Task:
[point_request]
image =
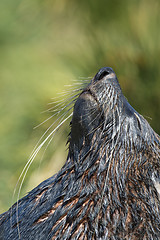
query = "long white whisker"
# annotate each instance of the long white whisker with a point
(65, 94)
(41, 145)
(51, 138)
(34, 150)
(31, 160)
(65, 106)
(45, 120)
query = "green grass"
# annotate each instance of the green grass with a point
(46, 44)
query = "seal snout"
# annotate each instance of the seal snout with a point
(103, 72)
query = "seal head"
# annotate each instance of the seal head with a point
(107, 187)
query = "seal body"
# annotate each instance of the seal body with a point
(107, 188)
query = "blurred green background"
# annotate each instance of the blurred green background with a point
(46, 44)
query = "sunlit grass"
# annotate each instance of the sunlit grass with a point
(46, 44)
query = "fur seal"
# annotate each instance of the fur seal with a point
(107, 187)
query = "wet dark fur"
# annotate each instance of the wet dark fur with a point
(105, 190)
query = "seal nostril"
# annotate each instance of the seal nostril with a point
(103, 72)
(102, 75)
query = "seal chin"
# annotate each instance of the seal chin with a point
(89, 95)
(86, 117)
